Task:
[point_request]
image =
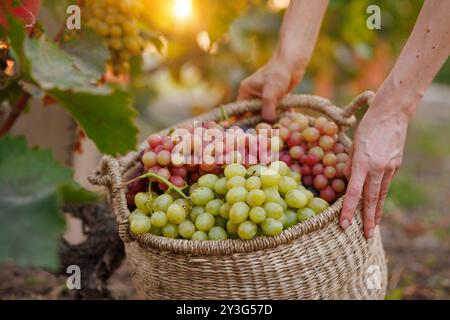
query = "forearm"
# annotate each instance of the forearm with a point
(299, 31)
(425, 52)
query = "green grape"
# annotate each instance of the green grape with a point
(182, 202)
(283, 204)
(220, 186)
(170, 231)
(253, 183)
(155, 230)
(281, 167)
(233, 170)
(271, 227)
(308, 194)
(236, 195)
(140, 224)
(295, 199)
(273, 210)
(202, 196)
(205, 221)
(220, 222)
(301, 187)
(296, 176)
(257, 215)
(217, 233)
(162, 202)
(158, 219)
(272, 195)
(247, 230)
(142, 201)
(318, 204)
(232, 227)
(195, 212)
(291, 218)
(282, 219)
(236, 181)
(270, 178)
(135, 213)
(225, 210)
(193, 187)
(287, 184)
(255, 170)
(305, 213)
(213, 206)
(199, 235)
(256, 198)
(239, 212)
(208, 180)
(186, 229)
(176, 213)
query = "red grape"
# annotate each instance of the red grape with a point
(328, 194)
(149, 158)
(301, 120)
(295, 127)
(285, 121)
(308, 180)
(306, 170)
(179, 171)
(339, 148)
(154, 140)
(326, 143)
(329, 159)
(311, 134)
(207, 167)
(319, 122)
(284, 133)
(177, 181)
(338, 185)
(320, 182)
(317, 169)
(295, 138)
(341, 157)
(158, 148)
(286, 158)
(168, 144)
(163, 186)
(191, 167)
(340, 170)
(311, 159)
(317, 151)
(297, 168)
(163, 157)
(330, 128)
(155, 169)
(329, 172)
(296, 152)
(164, 172)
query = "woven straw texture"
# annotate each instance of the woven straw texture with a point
(311, 260)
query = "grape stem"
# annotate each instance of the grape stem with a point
(162, 179)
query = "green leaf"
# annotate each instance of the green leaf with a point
(90, 54)
(73, 193)
(107, 119)
(16, 37)
(30, 198)
(52, 68)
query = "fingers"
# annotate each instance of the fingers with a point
(269, 103)
(371, 195)
(387, 178)
(352, 195)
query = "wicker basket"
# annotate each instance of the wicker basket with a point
(311, 260)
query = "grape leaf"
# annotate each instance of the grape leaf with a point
(52, 68)
(73, 193)
(30, 200)
(90, 54)
(106, 119)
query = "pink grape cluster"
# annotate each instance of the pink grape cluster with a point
(313, 150)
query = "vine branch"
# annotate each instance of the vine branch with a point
(15, 113)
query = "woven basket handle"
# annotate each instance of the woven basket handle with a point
(109, 175)
(344, 117)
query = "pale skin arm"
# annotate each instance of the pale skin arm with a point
(298, 35)
(380, 137)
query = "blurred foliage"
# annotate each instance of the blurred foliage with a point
(406, 192)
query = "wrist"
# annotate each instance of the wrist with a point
(290, 56)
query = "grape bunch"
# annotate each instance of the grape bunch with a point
(118, 22)
(239, 203)
(313, 150)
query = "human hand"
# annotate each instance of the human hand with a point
(270, 83)
(375, 157)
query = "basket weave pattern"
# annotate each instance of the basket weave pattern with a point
(311, 260)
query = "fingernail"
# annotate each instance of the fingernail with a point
(370, 234)
(344, 224)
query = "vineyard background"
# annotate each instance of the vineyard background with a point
(193, 65)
